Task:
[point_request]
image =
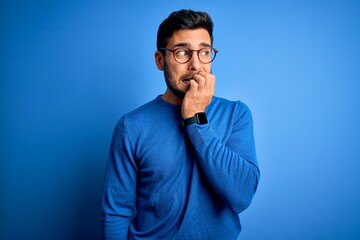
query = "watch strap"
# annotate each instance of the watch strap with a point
(199, 118)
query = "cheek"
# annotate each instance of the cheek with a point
(177, 72)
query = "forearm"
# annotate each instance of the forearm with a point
(231, 172)
(116, 213)
(119, 187)
(115, 229)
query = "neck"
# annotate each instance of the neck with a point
(171, 98)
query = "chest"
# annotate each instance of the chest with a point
(162, 153)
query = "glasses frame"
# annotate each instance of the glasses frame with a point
(192, 51)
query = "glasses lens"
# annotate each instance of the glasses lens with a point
(182, 55)
(206, 55)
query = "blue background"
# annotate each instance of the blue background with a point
(70, 69)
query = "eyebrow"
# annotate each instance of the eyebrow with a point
(184, 44)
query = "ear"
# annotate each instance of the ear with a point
(159, 60)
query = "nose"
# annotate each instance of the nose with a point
(194, 63)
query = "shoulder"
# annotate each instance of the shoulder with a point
(237, 107)
(148, 116)
(135, 116)
(141, 113)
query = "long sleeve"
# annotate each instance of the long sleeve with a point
(162, 179)
(230, 167)
(120, 186)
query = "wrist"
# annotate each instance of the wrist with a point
(191, 113)
(198, 118)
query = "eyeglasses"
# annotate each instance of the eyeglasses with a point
(183, 55)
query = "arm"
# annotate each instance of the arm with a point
(120, 186)
(231, 167)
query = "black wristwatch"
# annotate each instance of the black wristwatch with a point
(199, 118)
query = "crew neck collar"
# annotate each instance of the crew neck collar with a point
(167, 104)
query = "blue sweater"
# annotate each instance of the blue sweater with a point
(164, 181)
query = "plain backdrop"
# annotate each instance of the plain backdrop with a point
(70, 69)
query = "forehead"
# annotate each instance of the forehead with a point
(190, 37)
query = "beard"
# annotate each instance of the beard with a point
(171, 83)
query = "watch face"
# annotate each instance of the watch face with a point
(202, 119)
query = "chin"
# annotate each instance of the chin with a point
(179, 93)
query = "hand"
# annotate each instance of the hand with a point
(199, 95)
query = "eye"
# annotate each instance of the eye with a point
(205, 52)
(182, 53)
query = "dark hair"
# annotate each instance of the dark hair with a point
(183, 19)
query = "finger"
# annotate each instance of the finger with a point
(201, 80)
(210, 85)
(193, 86)
(210, 81)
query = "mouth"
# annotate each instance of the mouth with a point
(186, 80)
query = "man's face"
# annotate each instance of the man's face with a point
(177, 75)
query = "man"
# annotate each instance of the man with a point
(182, 166)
